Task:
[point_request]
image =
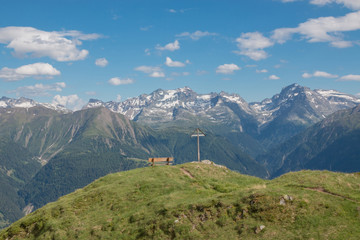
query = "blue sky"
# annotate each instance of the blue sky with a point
(69, 51)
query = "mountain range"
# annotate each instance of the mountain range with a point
(47, 151)
(270, 121)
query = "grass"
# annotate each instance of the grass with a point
(199, 201)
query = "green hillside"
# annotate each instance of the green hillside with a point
(332, 144)
(17, 166)
(200, 201)
(77, 148)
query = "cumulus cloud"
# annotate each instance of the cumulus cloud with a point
(118, 81)
(155, 72)
(352, 4)
(252, 44)
(101, 62)
(323, 29)
(39, 90)
(170, 63)
(72, 101)
(227, 68)
(274, 77)
(350, 77)
(37, 70)
(61, 46)
(196, 35)
(319, 74)
(261, 71)
(170, 46)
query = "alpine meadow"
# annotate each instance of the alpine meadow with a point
(180, 119)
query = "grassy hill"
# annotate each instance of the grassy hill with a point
(77, 148)
(200, 201)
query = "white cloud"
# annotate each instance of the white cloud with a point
(341, 44)
(72, 101)
(251, 44)
(307, 75)
(324, 74)
(196, 35)
(37, 70)
(350, 77)
(177, 11)
(227, 68)
(101, 62)
(323, 29)
(38, 90)
(170, 46)
(274, 77)
(170, 63)
(61, 46)
(148, 69)
(352, 4)
(147, 28)
(118, 98)
(251, 66)
(147, 52)
(157, 74)
(117, 81)
(319, 74)
(261, 71)
(154, 72)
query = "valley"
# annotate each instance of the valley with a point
(48, 151)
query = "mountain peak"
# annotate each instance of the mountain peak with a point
(23, 102)
(185, 89)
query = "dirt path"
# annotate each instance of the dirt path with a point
(187, 173)
(322, 190)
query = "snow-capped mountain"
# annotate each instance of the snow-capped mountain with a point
(29, 103)
(310, 105)
(272, 120)
(285, 114)
(163, 106)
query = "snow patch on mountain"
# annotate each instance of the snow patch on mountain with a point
(168, 105)
(29, 103)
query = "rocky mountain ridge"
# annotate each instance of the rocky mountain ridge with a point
(170, 105)
(29, 103)
(270, 121)
(166, 102)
